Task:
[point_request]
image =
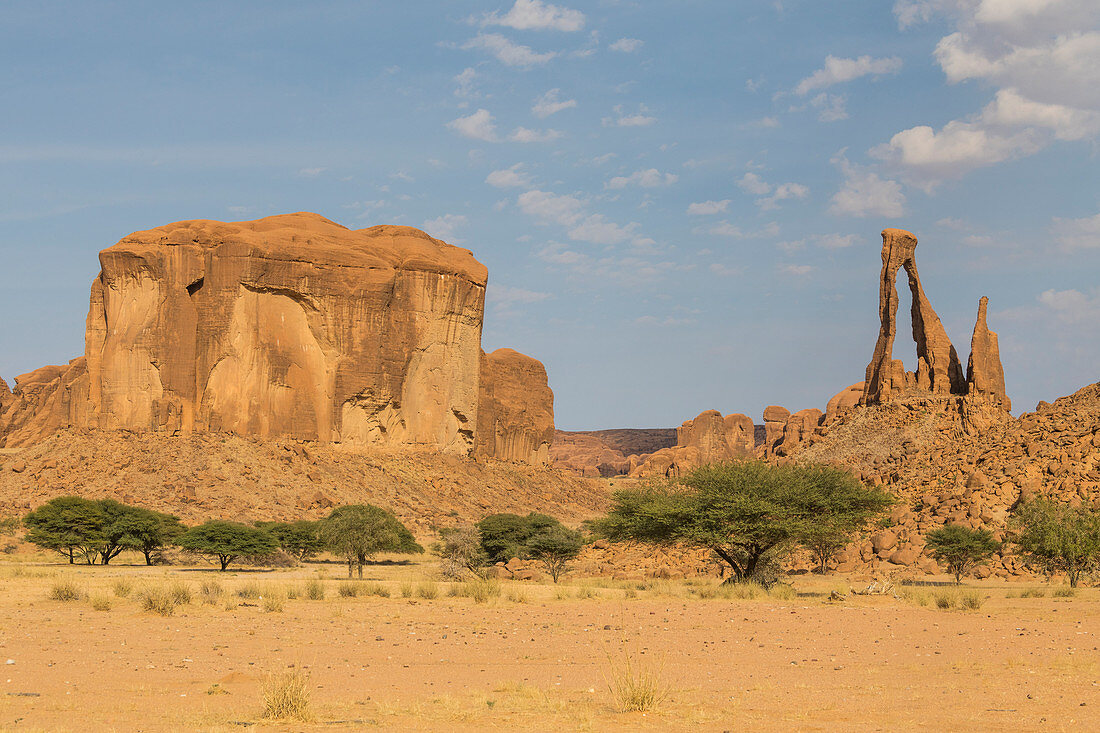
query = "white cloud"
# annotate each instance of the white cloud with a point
(443, 227)
(535, 15)
(525, 135)
(754, 184)
(311, 172)
(1077, 233)
(707, 208)
(726, 229)
(626, 45)
(622, 119)
(1072, 306)
(478, 126)
(796, 270)
(507, 52)
(835, 241)
(840, 70)
(831, 107)
(550, 208)
(1043, 59)
(782, 192)
(724, 270)
(651, 178)
(514, 176)
(866, 194)
(596, 229)
(506, 300)
(551, 103)
(465, 84)
(666, 321)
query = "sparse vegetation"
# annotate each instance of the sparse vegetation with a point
(65, 590)
(100, 602)
(961, 548)
(1059, 538)
(315, 589)
(211, 592)
(123, 587)
(227, 541)
(157, 600)
(286, 696)
(636, 686)
(460, 551)
(358, 532)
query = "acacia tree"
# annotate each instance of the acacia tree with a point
(748, 513)
(301, 538)
(504, 536)
(357, 532)
(459, 551)
(960, 548)
(227, 541)
(69, 525)
(1058, 537)
(151, 531)
(555, 548)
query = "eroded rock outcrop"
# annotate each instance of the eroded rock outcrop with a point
(938, 367)
(843, 402)
(286, 326)
(984, 373)
(708, 438)
(515, 412)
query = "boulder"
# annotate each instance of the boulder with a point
(515, 411)
(885, 540)
(842, 402)
(775, 413)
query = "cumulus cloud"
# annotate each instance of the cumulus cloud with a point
(528, 15)
(835, 241)
(1078, 233)
(507, 52)
(754, 184)
(626, 45)
(551, 103)
(1043, 59)
(444, 227)
(651, 178)
(796, 270)
(596, 229)
(464, 82)
(732, 231)
(506, 300)
(478, 126)
(1072, 306)
(724, 270)
(708, 208)
(864, 193)
(623, 119)
(551, 208)
(525, 135)
(513, 177)
(581, 226)
(830, 107)
(840, 70)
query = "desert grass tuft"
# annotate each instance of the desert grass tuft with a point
(180, 592)
(586, 591)
(1064, 591)
(945, 599)
(210, 592)
(481, 590)
(66, 590)
(349, 589)
(428, 590)
(273, 601)
(292, 591)
(100, 602)
(123, 587)
(971, 600)
(408, 590)
(377, 589)
(286, 696)
(636, 686)
(315, 589)
(157, 600)
(250, 591)
(516, 594)
(1033, 593)
(782, 592)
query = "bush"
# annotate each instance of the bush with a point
(971, 600)
(123, 587)
(211, 592)
(100, 602)
(180, 592)
(459, 551)
(1065, 591)
(300, 539)
(945, 599)
(65, 590)
(428, 591)
(273, 601)
(1059, 537)
(555, 547)
(349, 589)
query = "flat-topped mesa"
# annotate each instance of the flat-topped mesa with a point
(515, 411)
(290, 325)
(938, 369)
(984, 373)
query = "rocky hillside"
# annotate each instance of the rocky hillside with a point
(227, 476)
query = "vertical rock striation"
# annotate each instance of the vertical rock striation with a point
(984, 373)
(515, 411)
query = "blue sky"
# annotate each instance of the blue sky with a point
(678, 202)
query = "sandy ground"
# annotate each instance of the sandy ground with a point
(541, 661)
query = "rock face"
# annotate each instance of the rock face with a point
(515, 411)
(607, 453)
(286, 326)
(984, 373)
(938, 367)
(843, 402)
(707, 438)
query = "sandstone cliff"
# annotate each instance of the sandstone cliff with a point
(607, 453)
(515, 412)
(286, 326)
(708, 438)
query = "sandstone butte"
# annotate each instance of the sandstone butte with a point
(291, 326)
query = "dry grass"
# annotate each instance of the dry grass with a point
(211, 592)
(1064, 591)
(1033, 593)
(946, 599)
(273, 601)
(349, 589)
(480, 590)
(286, 696)
(315, 589)
(100, 602)
(66, 590)
(157, 600)
(250, 591)
(636, 685)
(428, 590)
(180, 592)
(123, 587)
(971, 600)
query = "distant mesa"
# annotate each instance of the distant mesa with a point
(291, 326)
